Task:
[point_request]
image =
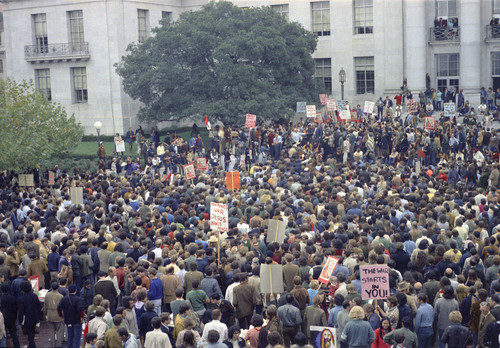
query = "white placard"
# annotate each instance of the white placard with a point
(219, 217)
(311, 110)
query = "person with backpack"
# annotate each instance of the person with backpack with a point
(456, 335)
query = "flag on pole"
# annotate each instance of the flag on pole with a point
(206, 120)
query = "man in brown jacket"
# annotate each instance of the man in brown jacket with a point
(290, 270)
(37, 266)
(170, 282)
(244, 300)
(192, 275)
(54, 321)
(485, 319)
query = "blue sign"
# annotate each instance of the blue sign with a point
(301, 107)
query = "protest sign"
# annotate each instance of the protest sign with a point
(412, 105)
(301, 107)
(323, 336)
(319, 117)
(219, 217)
(250, 121)
(76, 194)
(342, 105)
(35, 282)
(344, 115)
(368, 107)
(25, 180)
(328, 268)
(52, 176)
(374, 282)
(429, 122)
(449, 109)
(275, 231)
(233, 180)
(201, 163)
(355, 117)
(331, 105)
(271, 279)
(189, 171)
(323, 98)
(311, 110)
(120, 146)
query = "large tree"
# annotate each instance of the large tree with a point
(222, 61)
(31, 128)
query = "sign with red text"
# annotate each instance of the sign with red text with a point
(219, 217)
(189, 171)
(311, 110)
(412, 105)
(429, 123)
(374, 282)
(328, 268)
(201, 163)
(368, 109)
(331, 105)
(52, 176)
(323, 98)
(250, 121)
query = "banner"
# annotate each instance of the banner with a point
(250, 121)
(449, 109)
(368, 109)
(328, 268)
(233, 180)
(201, 163)
(52, 176)
(271, 279)
(76, 194)
(301, 107)
(323, 337)
(331, 105)
(412, 105)
(311, 110)
(429, 123)
(120, 146)
(275, 231)
(219, 217)
(189, 171)
(323, 98)
(374, 282)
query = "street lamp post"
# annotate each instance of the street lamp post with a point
(342, 81)
(98, 126)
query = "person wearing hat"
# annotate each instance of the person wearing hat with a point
(404, 287)
(72, 311)
(357, 332)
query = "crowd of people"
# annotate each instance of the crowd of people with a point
(138, 264)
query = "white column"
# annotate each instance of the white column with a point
(470, 50)
(415, 45)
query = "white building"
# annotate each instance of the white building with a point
(2, 47)
(69, 49)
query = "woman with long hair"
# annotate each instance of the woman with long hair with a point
(384, 329)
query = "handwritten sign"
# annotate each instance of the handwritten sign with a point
(328, 268)
(331, 105)
(201, 163)
(368, 109)
(301, 107)
(429, 123)
(323, 98)
(412, 105)
(219, 217)
(120, 146)
(374, 282)
(189, 171)
(311, 110)
(342, 105)
(344, 115)
(319, 117)
(52, 176)
(449, 109)
(354, 116)
(250, 121)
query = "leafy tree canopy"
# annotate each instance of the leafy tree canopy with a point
(31, 128)
(222, 61)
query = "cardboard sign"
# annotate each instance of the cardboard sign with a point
(120, 146)
(189, 171)
(354, 116)
(250, 121)
(76, 194)
(26, 180)
(219, 217)
(323, 98)
(275, 231)
(201, 163)
(271, 279)
(368, 109)
(328, 268)
(323, 337)
(311, 110)
(429, 123)
(233, 180)
(52, 177)
(301, 107)
(449, 109)
(412, 105)
(331, 105)
(344, 115)
(374, 282)
(342, 105)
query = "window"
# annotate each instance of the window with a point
(496, 7)
(446, 8)
(166, 15)
(365, 75)
(363, 16)
(1, 66)
(1, 38)
(40, 29)
(321, 18)
(79, 79)
(281, 9)
(324, 72)
(76, 37)
(447, 70)
(42, 83)
(142, 18)
(495, 63)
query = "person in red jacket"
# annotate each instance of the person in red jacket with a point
(384, 329)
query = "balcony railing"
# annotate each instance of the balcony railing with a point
(54, 52)
(444, 35)
(493, 32)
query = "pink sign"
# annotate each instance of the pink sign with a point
(250, 121)
(323, 98)
(374, 282)
(201, 163)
